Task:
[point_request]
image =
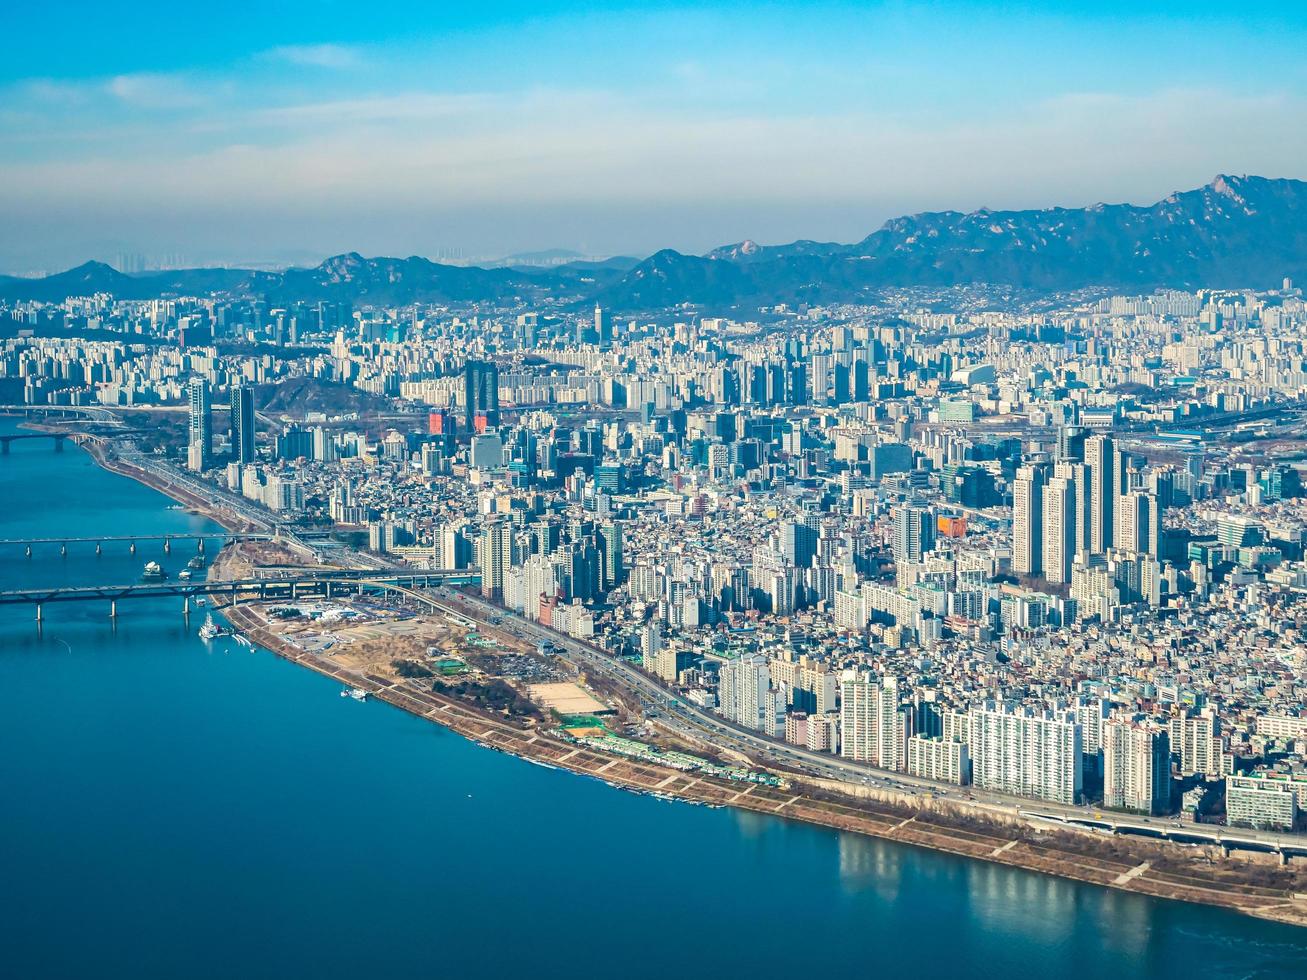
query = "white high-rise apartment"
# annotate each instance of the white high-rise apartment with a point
(1059, 531)
(873, 727)
(1136, 766)
(1025, 752)
(1028, 521)
(742, 693)
(859, 701)
(1100, 458)
(1199, 742)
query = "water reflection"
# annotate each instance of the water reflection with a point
(871, 864)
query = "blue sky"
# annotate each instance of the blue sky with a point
(290, 130)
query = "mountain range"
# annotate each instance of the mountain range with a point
(1235, 232)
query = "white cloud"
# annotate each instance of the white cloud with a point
(337, 56)
(443, 158)
(155, 90)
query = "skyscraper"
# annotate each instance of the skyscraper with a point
(1100, 457)
(496, 557)
(1133, 522)
(914, 533)
(798, 544)
(610, 537)
(242, 424)
(1059, 530)
(1028, 521)
(200, 444)
(481, 392)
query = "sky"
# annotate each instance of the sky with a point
(284, 131)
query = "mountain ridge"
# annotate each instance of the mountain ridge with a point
(1234, 232)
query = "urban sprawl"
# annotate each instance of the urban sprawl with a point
(1054, 555)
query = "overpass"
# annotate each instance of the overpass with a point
(320, 584)
(1166, 828)
(94, 413)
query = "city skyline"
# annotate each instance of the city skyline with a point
(280, 136)
(450, 451)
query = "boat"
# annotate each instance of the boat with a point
(357, 693)
(201, 601)
(211, 630)
(184, 574)
(153, 572)
(196, 563)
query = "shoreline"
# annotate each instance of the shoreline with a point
(1065, 853)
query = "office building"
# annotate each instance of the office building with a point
(242, 424)
(199, 448)
(481, 394)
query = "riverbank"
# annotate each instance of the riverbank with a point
(1165, 871)
(180, 494)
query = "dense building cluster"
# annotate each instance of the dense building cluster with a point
(1056, 555)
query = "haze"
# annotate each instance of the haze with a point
(290, 133)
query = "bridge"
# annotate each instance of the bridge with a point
(321, 584)
(133, 539)
(7, 440)
(95, 413)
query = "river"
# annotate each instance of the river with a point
(170, 808)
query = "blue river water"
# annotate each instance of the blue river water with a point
(175, 809)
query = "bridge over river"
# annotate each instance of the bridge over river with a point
(323, 584)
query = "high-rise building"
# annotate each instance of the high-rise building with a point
(893, 723)
(242, 424)
(744, 685)
(1028, 521)
(1026, 752)
(651, 644)
(481, 393)
(1199, 743)
(1100, 458)
(1136, 511)
(798, 544)
(1059, 530)
(938, 759)
(496, 557)
(610, 539)
(859, 702)
(200, 444)
(914, 533)
(874, 727)
(1136, 766)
